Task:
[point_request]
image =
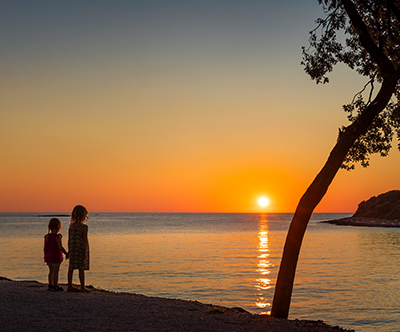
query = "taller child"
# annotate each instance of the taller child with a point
(78, 247)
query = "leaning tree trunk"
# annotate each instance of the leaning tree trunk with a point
(314, 194)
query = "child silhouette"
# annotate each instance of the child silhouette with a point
(78, 247)
(53, 251)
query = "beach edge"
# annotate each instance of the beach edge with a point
(28, 306)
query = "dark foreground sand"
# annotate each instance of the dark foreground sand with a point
(28, 306)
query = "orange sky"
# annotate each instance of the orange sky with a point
(141, 108)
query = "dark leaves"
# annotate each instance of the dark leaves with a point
(377, 139)
(335, 40)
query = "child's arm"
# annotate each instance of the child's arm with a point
(69, 238)
(85, 240)
(60, 247)
(69, 241)
(44, 248)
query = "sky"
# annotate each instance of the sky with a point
(170, 106)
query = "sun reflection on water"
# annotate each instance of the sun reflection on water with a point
(263, 283)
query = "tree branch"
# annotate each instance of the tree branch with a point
(396, 11)
(370, 82)
(366, 41)
(390, 6)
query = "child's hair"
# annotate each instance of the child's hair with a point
(54, 224)
(79, 214)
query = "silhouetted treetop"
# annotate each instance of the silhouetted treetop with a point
(365, 36)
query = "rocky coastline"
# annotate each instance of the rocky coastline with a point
(364, 222)
(378, 211)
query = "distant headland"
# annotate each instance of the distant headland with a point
(54, 215)
(378, 211)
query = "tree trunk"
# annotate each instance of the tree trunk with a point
(314, 194)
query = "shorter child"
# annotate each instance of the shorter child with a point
(53, 251)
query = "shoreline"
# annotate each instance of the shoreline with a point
(364, 222)
(28, 306)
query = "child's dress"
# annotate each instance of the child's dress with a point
(51, 252)
(75, 247)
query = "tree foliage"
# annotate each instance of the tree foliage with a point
(335, 40)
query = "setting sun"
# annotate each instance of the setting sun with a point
(263, 201)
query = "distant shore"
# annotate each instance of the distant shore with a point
(364, 222)
(28, 306)
(54, 215)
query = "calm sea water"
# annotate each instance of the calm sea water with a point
(347, 276)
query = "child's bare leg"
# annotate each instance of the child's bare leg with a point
(69, 276)
(82, 280)
(56, 270)
(71, 288)
(51, 273)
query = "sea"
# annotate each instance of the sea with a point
(347, 276)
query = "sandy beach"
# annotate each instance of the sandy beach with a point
(28, 306)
